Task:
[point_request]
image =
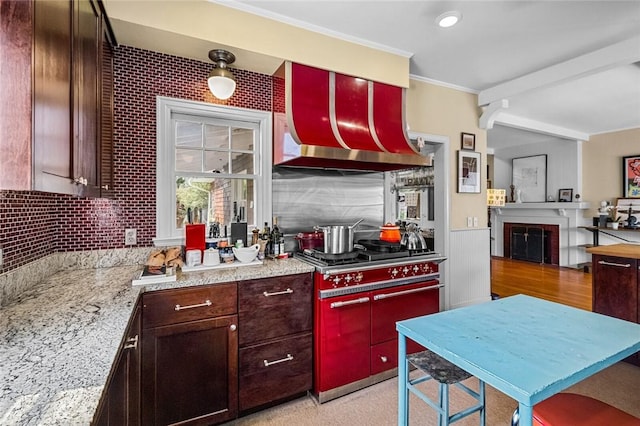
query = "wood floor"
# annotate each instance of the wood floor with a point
(563, 285)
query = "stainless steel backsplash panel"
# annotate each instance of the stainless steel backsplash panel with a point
(304, 198)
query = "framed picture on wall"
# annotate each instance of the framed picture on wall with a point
(468, 141)
(529, 176)
(631, 176)
(468, 172)
(565, 195)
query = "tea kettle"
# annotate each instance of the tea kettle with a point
(412, 238)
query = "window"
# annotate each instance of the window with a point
(213, 167)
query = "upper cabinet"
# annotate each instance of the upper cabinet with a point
(64, 103)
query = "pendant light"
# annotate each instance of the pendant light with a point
(221, 81)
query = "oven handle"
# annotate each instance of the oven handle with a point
(403, 292)
(349, 302)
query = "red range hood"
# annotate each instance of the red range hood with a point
(324, 119)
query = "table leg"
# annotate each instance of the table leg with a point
(526, 415)
(403, 378)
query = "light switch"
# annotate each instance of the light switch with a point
(475, 222)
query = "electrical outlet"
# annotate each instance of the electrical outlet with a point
(130, 237)
(475, 222)
(469, 221)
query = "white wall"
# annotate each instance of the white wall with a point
(563, 159)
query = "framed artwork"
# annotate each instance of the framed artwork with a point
(529, 176)
(631, 176)
(468, 141)
(468, 172)
(565, 195)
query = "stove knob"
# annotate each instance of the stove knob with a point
(336, 280)
(348, 278)
(416, 268)
(405, 270)
(393, 272)
(359, 276)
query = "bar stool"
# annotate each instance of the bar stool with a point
(446, 374)
(564, 409)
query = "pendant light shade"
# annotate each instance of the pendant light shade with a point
(221, 81)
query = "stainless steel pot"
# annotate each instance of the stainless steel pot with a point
(338, 239)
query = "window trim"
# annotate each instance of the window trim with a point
(165, 107)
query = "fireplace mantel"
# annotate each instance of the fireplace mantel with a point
(568, 216)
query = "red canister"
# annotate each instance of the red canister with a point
(390, 233)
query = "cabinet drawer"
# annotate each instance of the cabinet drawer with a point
(274, 307)
(276, 370)
(167, 307)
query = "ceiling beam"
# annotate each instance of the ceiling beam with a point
(622, 53)
(522, 123)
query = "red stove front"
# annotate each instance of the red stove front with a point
(356, 308)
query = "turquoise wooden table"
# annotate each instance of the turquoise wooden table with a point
(527, 348)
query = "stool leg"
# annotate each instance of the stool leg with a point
(444, 392)
(483, 411)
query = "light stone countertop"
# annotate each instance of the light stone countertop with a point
(58, 341)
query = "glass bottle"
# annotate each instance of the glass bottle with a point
(277, 239)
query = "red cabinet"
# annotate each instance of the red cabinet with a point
(356, 334)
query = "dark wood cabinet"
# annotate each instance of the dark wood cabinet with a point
(276, 343)
(190, 356)
(120, 403)
(86, 48)
(616, 282)
(54, 140)
(52, 96)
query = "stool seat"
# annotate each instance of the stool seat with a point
(446, 373)
(573, 409)
(438, 368)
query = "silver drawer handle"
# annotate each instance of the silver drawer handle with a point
(289, 357)
(625, 265)
(132, 343)
(277, 293)
(401, 293)
(199, 305)
(350, 302)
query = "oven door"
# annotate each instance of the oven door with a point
(394, 304)
(342, 340)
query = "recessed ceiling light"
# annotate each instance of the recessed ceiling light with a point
(448, 19)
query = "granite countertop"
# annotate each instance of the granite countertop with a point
(59, 340)
(619, 250)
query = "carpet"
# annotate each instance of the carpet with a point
(618, 385)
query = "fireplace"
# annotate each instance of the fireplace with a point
(533, 242)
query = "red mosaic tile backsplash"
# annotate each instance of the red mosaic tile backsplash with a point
(35, 224)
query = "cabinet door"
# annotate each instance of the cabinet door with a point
(121, 401)
(190, 372)
(106, 115)
(85, 95)
(615, 287)
(52, 97)
(274, 307)
(343, 343)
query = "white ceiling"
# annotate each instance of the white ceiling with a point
(565, 68)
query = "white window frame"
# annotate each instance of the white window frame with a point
(165, 160)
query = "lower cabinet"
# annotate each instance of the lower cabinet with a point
(276, 343)
(120, 404)
(190, 355)
(616, 290)
(202, 355)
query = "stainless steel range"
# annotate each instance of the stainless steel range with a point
(358, 299)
